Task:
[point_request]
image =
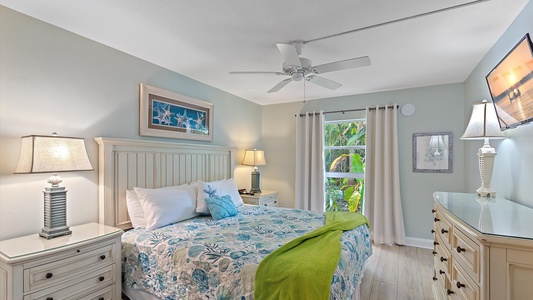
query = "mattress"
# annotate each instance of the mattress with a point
(205, 259)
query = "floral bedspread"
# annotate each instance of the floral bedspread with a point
(205, 259)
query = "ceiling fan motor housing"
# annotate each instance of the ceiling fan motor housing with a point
(299, 72)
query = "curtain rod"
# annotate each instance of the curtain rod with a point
(349, 110)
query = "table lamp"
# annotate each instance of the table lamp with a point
(53, 154)
(484, 125)
(254, 158)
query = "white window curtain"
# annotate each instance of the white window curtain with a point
(383, 205)
(309, 189)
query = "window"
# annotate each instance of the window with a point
(344, 156)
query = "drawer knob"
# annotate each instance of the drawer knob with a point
(460, 285)
(102, 257)
(49, 298)
(49, 275)
(432, 230)
(435, 278)
(101, 278)
(437, 219)
(435, 243)
(101, 298)
(433, 211)
(450, 292)
(434, 252)
(442, 259)
(443, 231)
(441, 272)
(459, 249)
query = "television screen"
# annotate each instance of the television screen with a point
(511, 85)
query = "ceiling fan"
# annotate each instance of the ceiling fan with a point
(301, 68)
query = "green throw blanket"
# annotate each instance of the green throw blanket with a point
(304, 267)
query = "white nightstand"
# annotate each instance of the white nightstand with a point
(83, 265)
(265, 198)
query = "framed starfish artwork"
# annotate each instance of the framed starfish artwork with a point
(171, 115)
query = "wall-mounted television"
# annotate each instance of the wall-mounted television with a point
(511, 85)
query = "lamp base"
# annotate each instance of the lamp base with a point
(55, 213)
(486, 192)
(486, 156)
(256, 187)
(49, 233)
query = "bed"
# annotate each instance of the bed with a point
(201, 257)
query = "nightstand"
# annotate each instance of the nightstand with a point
(265, 198)
(83, 265)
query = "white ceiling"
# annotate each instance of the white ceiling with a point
(206, 39)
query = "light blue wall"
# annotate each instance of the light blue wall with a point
(52, 80)
(513, 167)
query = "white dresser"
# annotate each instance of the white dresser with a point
(83, 265)
(483, 248)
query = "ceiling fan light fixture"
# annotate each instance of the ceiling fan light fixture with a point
(297, 76)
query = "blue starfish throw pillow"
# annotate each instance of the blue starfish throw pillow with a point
(221, 207)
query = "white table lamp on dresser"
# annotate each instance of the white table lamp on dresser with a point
(484, 125)
(53, 154)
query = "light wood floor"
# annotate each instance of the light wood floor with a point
(398, 272)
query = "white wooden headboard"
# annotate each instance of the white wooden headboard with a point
(124, 164)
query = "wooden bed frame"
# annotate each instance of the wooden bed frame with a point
(124, 164)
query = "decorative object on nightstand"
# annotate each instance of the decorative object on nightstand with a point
(53, 154)
(83, 265)
(484, 125)
(265, 198)
(254, 157)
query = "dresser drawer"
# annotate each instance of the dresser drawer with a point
(101, 294)
(270, 202)
(267, 198)
(92, 283)
(466, 253)
(443, 229)
(462, 286)
(443, 258)
(75, 263)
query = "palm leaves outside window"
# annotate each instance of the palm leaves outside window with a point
(344, 155)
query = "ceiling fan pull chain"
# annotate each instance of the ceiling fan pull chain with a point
(305, 79)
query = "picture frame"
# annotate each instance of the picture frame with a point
(433, 152)
(172, 115)
(510, 85)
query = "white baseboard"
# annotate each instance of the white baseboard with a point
(418, 242)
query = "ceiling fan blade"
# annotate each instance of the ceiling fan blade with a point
(289, 54)
(255, 72)
(343, 65)
(280, 85)
(323, 82)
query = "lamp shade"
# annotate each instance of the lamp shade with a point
(254, 158)
(51, 154)
(483, 123)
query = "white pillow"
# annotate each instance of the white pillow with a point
(135, 210)
(216, 189)
(167, 205)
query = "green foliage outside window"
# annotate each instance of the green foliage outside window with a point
(345, 154)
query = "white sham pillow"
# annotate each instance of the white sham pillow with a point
(216, 189)
(135, 210)
(167, 205)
